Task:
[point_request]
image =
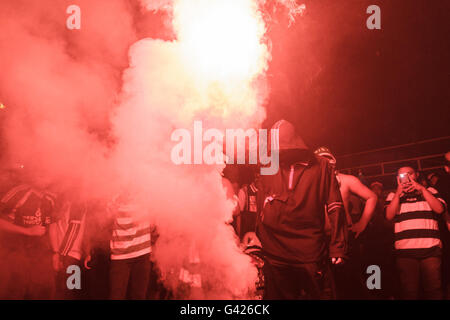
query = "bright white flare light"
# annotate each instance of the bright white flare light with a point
(222, 39)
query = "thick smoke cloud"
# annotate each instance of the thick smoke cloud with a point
(95, 108)
(59, 85)
(163, 91)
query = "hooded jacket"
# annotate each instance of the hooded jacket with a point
(291, 226)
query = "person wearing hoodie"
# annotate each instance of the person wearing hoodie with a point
(291, 225)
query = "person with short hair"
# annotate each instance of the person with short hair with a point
(418, 247)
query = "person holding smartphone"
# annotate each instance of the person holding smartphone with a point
(418, 247)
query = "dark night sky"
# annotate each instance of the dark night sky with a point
(355, 89)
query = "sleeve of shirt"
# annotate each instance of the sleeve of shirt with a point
(6, 212)
(9, 201)
(336, 214)
(77, 217)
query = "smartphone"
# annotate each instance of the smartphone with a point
(404, 178)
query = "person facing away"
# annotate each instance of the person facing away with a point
(418, 247)
(291, 224)
(351, 186)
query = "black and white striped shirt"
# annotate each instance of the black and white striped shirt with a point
(130, 238)
(416, 226)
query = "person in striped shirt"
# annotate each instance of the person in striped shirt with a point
(130, 251)
(418, 246)
(26, 211)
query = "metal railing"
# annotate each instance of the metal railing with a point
(416, 162)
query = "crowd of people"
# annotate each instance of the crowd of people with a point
(43, 234)
(312, 230)
(312, 254)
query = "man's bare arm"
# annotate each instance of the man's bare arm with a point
(11, 227)
(16, 229)
(360, 190)
(436, 205)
